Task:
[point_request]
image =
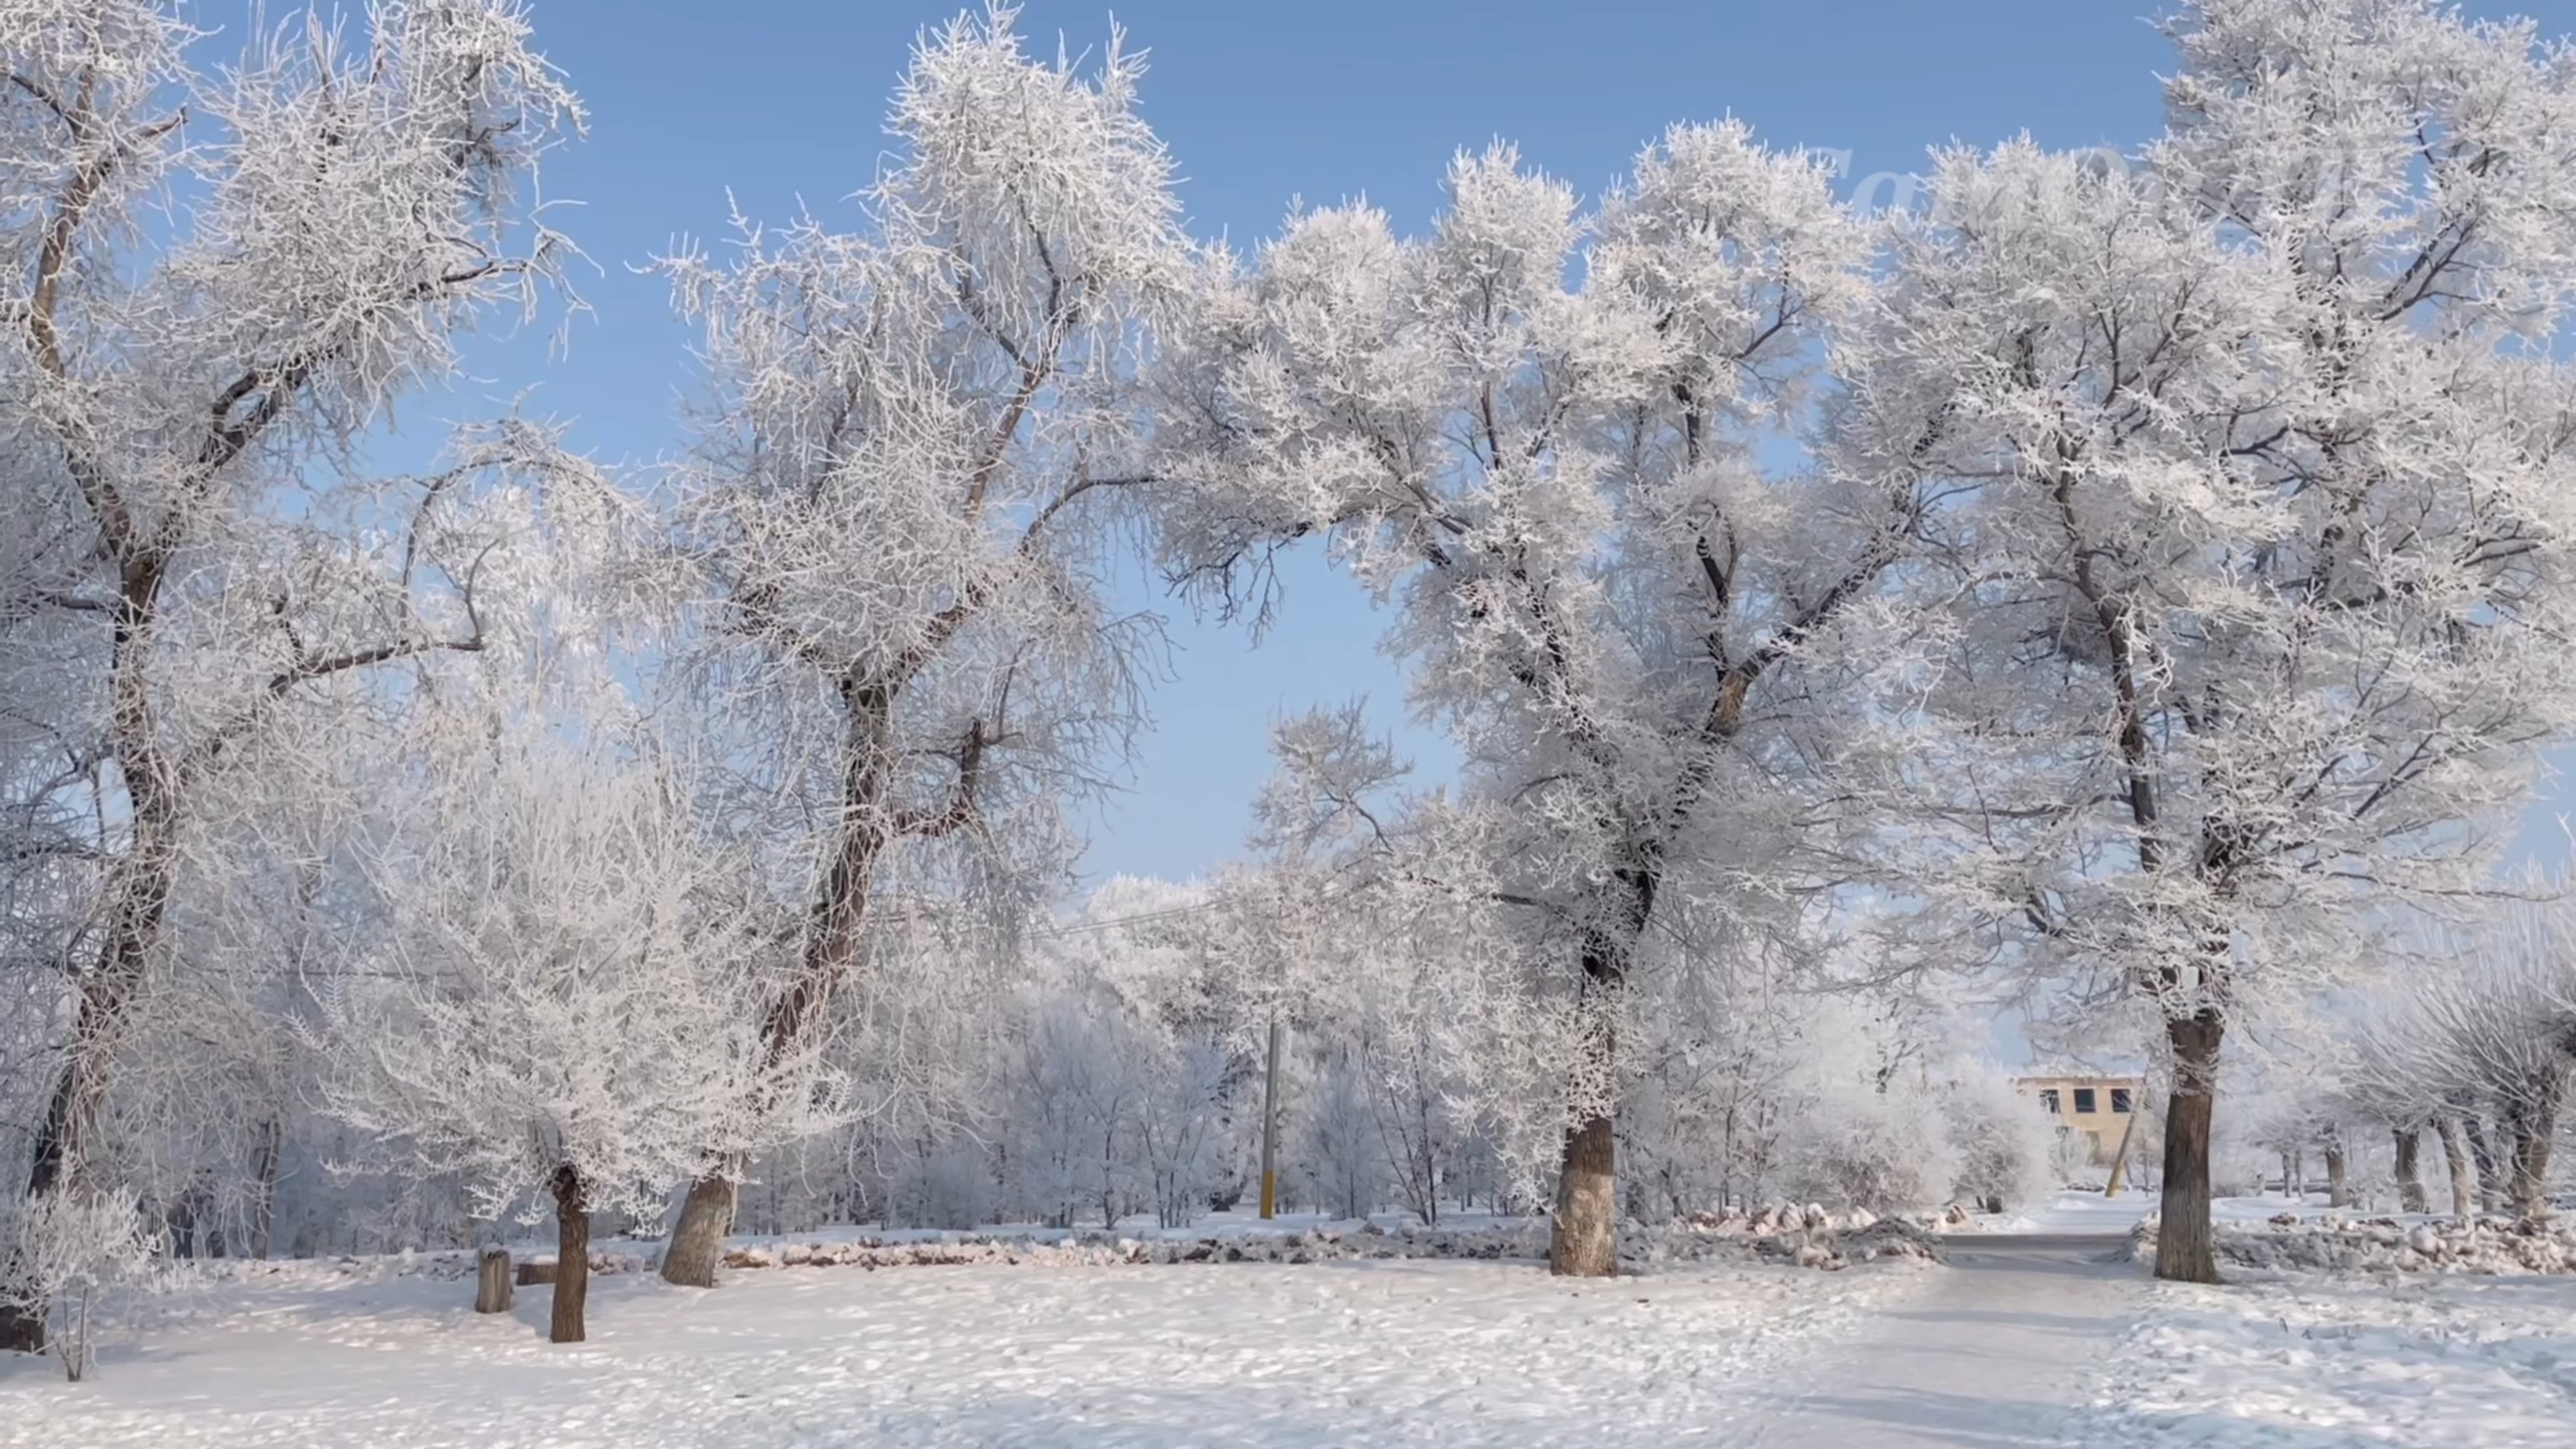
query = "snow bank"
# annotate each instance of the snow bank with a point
(2426, 1245)
(368, 1268)
(1805, 1237)
(1801, 1236)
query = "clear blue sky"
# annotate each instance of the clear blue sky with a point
(778, 100)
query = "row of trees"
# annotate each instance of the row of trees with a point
(1129, 1078)
(2165, 595)
(2138, 583)
(2479, 1058)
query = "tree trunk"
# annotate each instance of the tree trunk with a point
(2491, 1173)
(22, 1326)
(697, 1239)
(138, 886)
(2464, 1177)
(1583, 1237)
(1583, 1232)
(833, 926)
(2533, 1130)
(2410, 1178)
(2185, 1252)
(263, 1222)
(2338, 1176)
(572, 1256)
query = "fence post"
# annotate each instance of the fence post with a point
(492, 1280)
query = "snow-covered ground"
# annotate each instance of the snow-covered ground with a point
(2043, 1340)
(1421, 1353)
(2308, 1362)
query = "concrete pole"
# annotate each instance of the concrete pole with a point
(1270, 1127)
(2120, 1162)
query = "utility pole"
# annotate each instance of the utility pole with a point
(1270, 1126)
(2120, 1160)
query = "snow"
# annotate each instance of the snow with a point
(2309, 1362)
(1415, 1352)
(2024, 1339)
(2414, 1243)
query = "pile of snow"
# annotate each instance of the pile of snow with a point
(369, 1268)
(1808, 1237)
(2428, 1245)
(1094, 1249)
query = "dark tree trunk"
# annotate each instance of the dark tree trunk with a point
(1583, 1240)
(138, 884)
(2464, 1176)
(2533, 1129)
(832, 939)
(1583, 1232)
(2338, 1176)
(697, 1239)
(572, 1256)
(2185, 1252)
(263, 1207)
(2410, 1177)
(2491, 1174)
(22, 1326)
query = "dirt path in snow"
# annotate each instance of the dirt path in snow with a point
(1996, 1351)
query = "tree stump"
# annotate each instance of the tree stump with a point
(492, 1281)
(536, 1271)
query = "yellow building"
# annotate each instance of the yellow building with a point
(2097, 1107)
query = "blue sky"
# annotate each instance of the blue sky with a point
(782, 100)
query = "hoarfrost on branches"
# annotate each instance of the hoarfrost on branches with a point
(2256, 533)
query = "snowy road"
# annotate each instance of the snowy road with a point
(1998, 1351)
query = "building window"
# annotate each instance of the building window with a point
(2120, 1100)
(2048, 1100)
(2083, 1101)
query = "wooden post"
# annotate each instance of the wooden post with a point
(492, 1280)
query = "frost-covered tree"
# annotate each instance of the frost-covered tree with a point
(915, 453)
(1620, 613)
(2483, 1032)
(225, 269)
(66, 1250)
(2258, 513)
(561, 1005)
(1339, 1155)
